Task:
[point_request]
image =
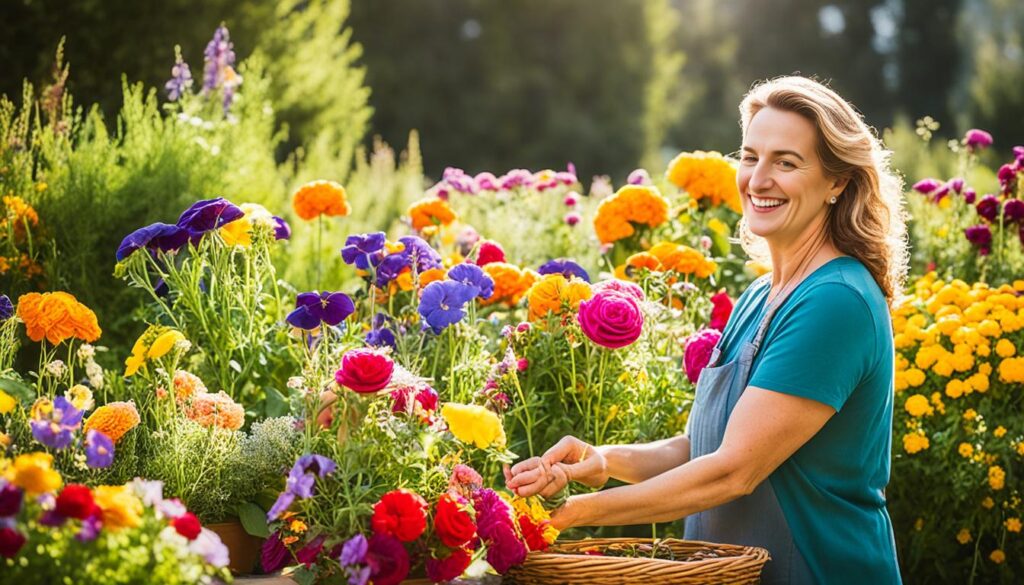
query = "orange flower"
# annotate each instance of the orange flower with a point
(430, 212)
(431, 275)
(632, 204)
(553, 292)
(683, 259)
(57, 316)
(113, 420)
(218, 409)
(644, 260)
(320, 198)
(187, 385)
(706, 176)
(510, 283)
(20, 214)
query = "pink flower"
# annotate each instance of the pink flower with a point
(572, 218)
(611, 319)
(522, 364)
(698, 352)
(977, 139)
(450, 567)
(490, 251)
(364, 370)
(722, 309)
(425, 398)
(571, 199)
(620, 286)
(926, 186)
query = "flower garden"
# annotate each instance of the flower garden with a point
(344, 369)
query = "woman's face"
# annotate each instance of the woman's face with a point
(783, 185)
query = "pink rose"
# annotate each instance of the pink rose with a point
(621, 286)
(698, 352)
(611, 319)
(364, 370)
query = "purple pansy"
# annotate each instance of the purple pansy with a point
(474, 276)
(353, 560)
(57, 428)
(208, 214)
(442, 302)
(99, 449)
(314, 308)
(565, 267)
(364, 250)
(282, 231)
(416, 253)
(6, 308)
(157, 236)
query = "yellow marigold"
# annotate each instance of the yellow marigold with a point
(239, 232)
(1013, 524)
(706, 176)
(121, 507)
(632, 204)
(20, 214)
(996, 477)
(643, 260)
(979, 382)
(1000, 432)
(970, 414)
(915, 377)
(915, 442)
(988, 503)
(320, 198)
(113, 419)
(57, 316)
(545, 296)
(187, 385)
(431, 211)
(997, 556)
(966, 450)
(955, 388)
(34, 473)
(1012, 370)
(215, 410)
(964, 536)
(474, 424)
(917, 405)
(1005, 348)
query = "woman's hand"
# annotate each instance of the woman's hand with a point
(569, 460)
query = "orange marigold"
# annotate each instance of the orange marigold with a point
(510, 283)
(320, 198)
(706, 176)
(113, 419)
(431, 275)
(632, 204)
(553, 292)
(20, 214)
(218, 409)
(57, 316)
(430, 212)
(683, 259)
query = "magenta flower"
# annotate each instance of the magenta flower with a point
(988, 207)
(699, 347)
(388, 560)
(274, 554)
(970, 195)
(572, 218)
(611, 319)
(926, 186)
(365, 370)
(10, 500)
(981, 237)
(639, 177)
(1013, 210)
(977, 139)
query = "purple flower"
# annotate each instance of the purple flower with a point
(970, 195)
(274, 554)
(981, 237)
(157, 236)
(486, 181)
(977, 139)
(380, 338)
(505, 549)
(926, 186)
(417, 253)
(1018, 155)
(208, 214)
(99, 449)
(516, 178)
(90, 528)
(57, 427)
(565, 267)
(181, 78)
(364, 250)
(459, 180)
(314, 308)
(282, 231)
(301, 480)
(442, 301)
(572, 218)
(10, 500)
(639, 177)
(956, 184)
(219, 55)
(1013, 210)
(353, 560)
(988, 207)
(209, 546)
(474, 276)
(6, 308)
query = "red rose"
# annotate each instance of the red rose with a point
(11, 542)
(450, 567)
(364, 370)
(453, 524)
(490, 252)
(388, 560)
(75, 501)
(400, 513)
(187, 525)
(721, 311)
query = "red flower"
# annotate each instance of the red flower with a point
(187, 525)
(450, 567)
(490, 251)
(721, 311)
(11, 542)
(533, 534)
(365, 370)
(453, 524)
(75, 501)
(400, 513)
(388, 560)
(307, 554)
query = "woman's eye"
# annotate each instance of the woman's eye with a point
(749, 159)
(786, 164)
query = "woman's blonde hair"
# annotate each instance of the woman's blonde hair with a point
(867, 221)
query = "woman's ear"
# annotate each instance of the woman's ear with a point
(838, 186)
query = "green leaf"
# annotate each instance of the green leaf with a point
(277, 404)
(18, 389)
(304, 576)
(253, 519)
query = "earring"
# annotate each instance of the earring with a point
(832, 200)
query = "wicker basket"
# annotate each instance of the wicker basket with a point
(700, 563)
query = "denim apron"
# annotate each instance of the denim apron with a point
(756, 519)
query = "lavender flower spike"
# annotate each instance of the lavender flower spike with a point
(181, 77)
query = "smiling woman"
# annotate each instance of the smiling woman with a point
(787, 444)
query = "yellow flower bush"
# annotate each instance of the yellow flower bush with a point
(473, 424)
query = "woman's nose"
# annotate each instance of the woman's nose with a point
(761, 177)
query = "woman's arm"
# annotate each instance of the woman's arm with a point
(764, 430)
(637, 463)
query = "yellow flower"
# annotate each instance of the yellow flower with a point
(999, 432)
(632, 204)
(997, 556)
(1005, 348)
(34, 473)
(955, 388)
(1013, 524)
(915, 377)
(80, 397)
(988, 503)
(964, 536)
(7, 402)
(919, 524)
(121, 507)
(132, 364)
(915, 442)
(966, 450)
(239, 232)
(1012, 370)
(970, 414)
(163, 344)
(718, 226)
(474, 424)
(917, 405)
(996, 477)
(706, 176)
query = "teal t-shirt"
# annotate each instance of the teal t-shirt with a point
(831, 341)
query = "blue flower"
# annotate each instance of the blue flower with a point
(419, 253)
(181, 78)
(6, 308)
(207, 215)
(314, 308)
(364, 250)
(380, 338)
(56, 428)
(157, 236)
(219, 54)
(565, 267)
(99, 449)
(474, 276)
(300, 482)
(282, 231)
(442, 302)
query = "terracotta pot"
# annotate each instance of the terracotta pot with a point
(243, 548)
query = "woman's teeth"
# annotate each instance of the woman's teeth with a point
(759, 202)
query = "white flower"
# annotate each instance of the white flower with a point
(296, 382)
(94, 372)
(86, 352)
(150, 491)
(183, 345)
(56, 368)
